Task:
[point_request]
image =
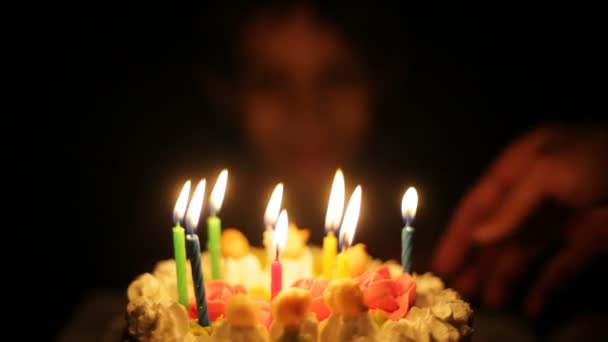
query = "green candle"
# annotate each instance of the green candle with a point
(214, 224)
(179, 246)
(214, 231)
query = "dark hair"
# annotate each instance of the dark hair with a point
(370, 29)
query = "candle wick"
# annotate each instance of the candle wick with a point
(343, 243)
(277, 254)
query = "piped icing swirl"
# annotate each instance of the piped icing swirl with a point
(350, 319)
(439, 315)
(153, 316)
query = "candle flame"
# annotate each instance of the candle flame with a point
(195, 207)
(274, 206)
(335, 207)
(279, 239)
(217, 194)
(351, 218)
(181, 203)
(409, 204)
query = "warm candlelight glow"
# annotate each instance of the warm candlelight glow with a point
(217, 194)
(335, 205)
(195, 207)
(181, 204)
(409, 203)
(351, 217)
(280, 232)
(274, 206)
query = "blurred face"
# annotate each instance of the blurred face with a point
(304, 95)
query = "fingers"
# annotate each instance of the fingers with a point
(471, 279)
(525, 198)
(484, 198)
(586, 237)
(518, 158)
(467, 283)
(454, 245)
(509, 266)
(561, 267)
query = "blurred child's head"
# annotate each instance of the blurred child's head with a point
(301, 89)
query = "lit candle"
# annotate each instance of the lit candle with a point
(347, 231)
(194, 251)
(179, 245)
(409, 203)
(214, 224)
(335, 207)
(270, 218)
(278, 244)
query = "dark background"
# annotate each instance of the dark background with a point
(132, 125)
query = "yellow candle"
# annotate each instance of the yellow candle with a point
(330, 249)
(347, 232)
(343, 267)
(333, 217)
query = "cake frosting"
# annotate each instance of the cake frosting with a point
(350, 319)
(153, 315)
(293, 320)
(439, 315)
(241, 322)
(378, 303)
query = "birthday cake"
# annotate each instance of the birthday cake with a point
(379, 302)
(289, 290)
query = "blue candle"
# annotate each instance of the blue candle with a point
(194, 251)
(407, 234)
(409, 204)
(194, 248)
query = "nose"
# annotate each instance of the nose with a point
(308, 104)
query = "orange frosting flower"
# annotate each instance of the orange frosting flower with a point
(394, 296)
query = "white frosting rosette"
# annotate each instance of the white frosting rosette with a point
(153, 316)
(349, 329)
(166, 273)
(427, 287)
(439, 315)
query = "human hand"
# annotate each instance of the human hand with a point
(565, 164)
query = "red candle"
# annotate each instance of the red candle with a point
(277, 278)
(278, 244)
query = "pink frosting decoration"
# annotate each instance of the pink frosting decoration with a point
(217, 293)
(394, 296)
(316, 288)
